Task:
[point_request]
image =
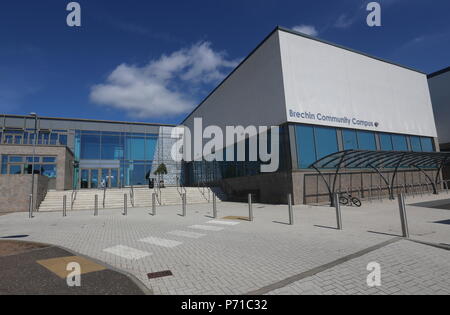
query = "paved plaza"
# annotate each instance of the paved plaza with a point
(229, 255)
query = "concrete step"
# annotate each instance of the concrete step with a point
(115, 198)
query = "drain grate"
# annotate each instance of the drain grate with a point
(161, 274)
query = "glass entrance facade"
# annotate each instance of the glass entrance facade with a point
(118, 158)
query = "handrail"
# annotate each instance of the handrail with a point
(158, 193)
(202, 190)
(104, 196)
(132, 195)
(73, 197)
(180, 188)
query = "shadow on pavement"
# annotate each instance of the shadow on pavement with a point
(22, 272)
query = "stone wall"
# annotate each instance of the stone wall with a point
(64, 159)
(310, 188)
(15, 191)
(359, 184)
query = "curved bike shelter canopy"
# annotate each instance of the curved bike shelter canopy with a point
(381, 161)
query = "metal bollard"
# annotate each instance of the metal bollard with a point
(250, 208)
(183, 200)
(370, 194)
(64, 206)
(403, 218)
(214, 206)
(379, 194)
(30, 207)
(291, 213)
(96, 206)
(446, 185)
(338, 211)
(125, 204)
(153, 204)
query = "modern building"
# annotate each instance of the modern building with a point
(83, 153)
(439, 83)
(327, 100)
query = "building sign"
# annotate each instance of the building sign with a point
(345, 121)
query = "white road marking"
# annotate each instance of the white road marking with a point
(186, 234)
(206, 228)
(126, 252)
(161, 242)
(222, 222)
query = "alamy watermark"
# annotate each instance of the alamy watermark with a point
(374, 277)
(74, 17)
(73, 279)
(374, 17)
(228, 144)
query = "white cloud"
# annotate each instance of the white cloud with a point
(306, 29)
(345, 21)
(163, 86)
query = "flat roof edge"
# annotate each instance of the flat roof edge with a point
(89, 120)
(437, 73)
(287, 30)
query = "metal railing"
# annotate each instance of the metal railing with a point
(158, 193)
(132, 195)
(104, 196)
(180, 188)
(73, 197)
(380, 192)
(204, 190)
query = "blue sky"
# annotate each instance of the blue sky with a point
(153, 61)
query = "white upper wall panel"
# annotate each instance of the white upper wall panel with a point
(350, 88)
(252, 95)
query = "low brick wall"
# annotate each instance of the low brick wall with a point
(16, 189)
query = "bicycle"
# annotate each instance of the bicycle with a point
(346, 199)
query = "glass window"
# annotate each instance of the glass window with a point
(136, 173)
(427, 144)
(16, 159)
(63, 139)
(25, 138)
(90, 147)
(150, 148)
(47, 159)
(54, 139)
(8, 139)
(4, 164)
(326, 141)
(15, 169)
(366, 140)
(350, 140)
(44, 138)
(17, 139)
(48, 170)
(30, 159)
(112, 148)
(415, 144)
(31, 141)
(386, 142)
(305, 146)
(135, 148)
(399, 143)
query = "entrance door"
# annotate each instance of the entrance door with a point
(93, 178)
(111, 177)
